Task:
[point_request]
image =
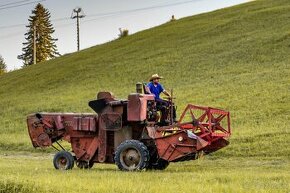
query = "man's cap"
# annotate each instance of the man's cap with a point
(155, 76)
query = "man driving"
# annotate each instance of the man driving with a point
(155, 88)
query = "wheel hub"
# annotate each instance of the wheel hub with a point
(131, 158)
(62, 162)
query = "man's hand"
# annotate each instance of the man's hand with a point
(166, 93)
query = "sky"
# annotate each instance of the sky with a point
(101, 23)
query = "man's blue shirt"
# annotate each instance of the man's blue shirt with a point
(155, 89)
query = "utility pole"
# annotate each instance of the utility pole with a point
(34, 43)
(77, 14)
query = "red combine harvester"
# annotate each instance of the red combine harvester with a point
(130, 134)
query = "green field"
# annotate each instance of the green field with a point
(236, 59)
(206, 175)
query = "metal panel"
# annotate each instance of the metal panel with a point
(111, 121)
(175, 146)
(122, 135)
(137, 106)
(84, 124)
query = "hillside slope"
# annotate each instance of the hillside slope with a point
(236, 58)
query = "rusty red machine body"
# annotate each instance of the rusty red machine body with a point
(128, 133)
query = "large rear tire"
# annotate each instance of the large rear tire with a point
(132, 155)
(63, 160)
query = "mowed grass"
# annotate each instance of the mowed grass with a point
(236, 59)
(206, 175)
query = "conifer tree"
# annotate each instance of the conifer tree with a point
(40, 26)
(2, 66)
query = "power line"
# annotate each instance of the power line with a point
(24, 24)
(10, 35)
(142, 9)
(19, 5)
(99, 16)
(109, 14)
(117, 13)
(61, 19)
(23, 1)
(12, 26)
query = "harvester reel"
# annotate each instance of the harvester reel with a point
(211, 125)
(132, 155)
(63, 160)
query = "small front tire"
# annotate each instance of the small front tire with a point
(63, 160)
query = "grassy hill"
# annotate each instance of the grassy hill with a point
(236, 58)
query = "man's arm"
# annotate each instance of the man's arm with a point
(166, 93)
(147, 89)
